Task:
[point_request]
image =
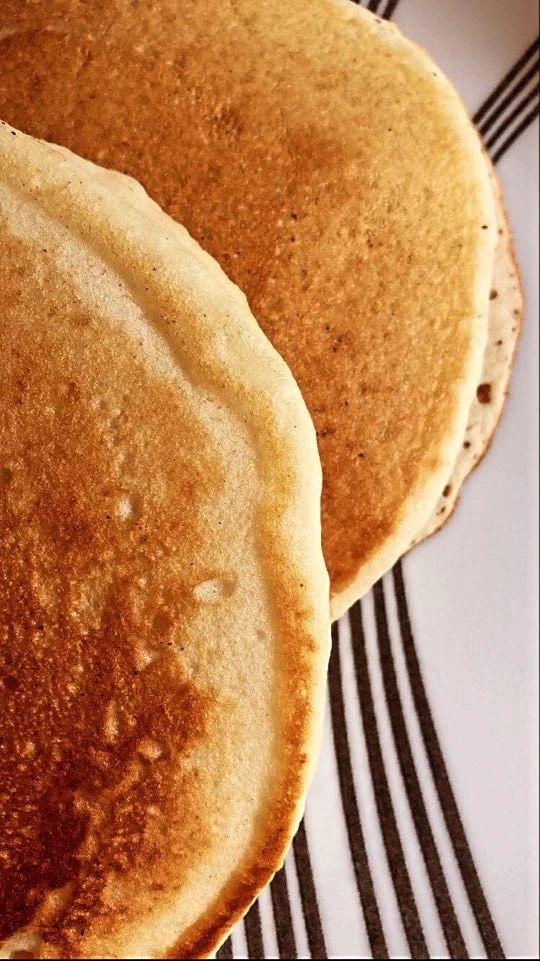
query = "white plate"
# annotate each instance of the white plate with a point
(471, 593)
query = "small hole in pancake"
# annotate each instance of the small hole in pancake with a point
(215, 590)
(6, 476)
(130, 507)
(11, 683)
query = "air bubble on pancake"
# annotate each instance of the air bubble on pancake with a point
(150, 749)
(130, 507)
(6, 476)
(215, 590)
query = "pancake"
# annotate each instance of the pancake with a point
(504, 327)
(164, 616)
(332, 171)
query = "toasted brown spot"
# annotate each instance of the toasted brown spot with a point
(484, 393)
(163, 623)
(447, 490)
(6, 477)
(494, 294)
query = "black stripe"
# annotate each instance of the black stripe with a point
(281, 904)
(360, 861)
(506, 81)
(308, 894)
(443, 900)
(383, 799)
(503, 105)
(226, 950)
(526, 122)
(452, 817)
(373, 5)
(531, 97)
(390, 9)
(253, 929)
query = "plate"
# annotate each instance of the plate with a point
(420, 832)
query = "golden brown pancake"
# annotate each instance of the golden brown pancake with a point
(164, 622)
(332, 171)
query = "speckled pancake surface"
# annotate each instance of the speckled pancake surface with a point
(163, 597)
(504, 326)
(332, 171)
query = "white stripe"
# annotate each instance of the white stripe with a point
(442, 839)
(267, 923)
(384, 889)
(300, 934)
(239, 941)
(425, 901)
(333, 873)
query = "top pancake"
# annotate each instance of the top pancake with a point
(332, 171)
(164, 619)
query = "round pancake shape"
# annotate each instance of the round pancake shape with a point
(332, 171)
(164, 615)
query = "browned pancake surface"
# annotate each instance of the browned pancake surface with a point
(164, 616)
(89, 723)
(318, 164)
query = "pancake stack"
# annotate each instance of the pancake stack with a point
(164, 604)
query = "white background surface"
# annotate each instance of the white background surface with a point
(474, 587)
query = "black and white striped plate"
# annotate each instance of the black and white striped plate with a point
(420, 833)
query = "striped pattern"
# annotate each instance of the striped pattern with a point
(513, 105)
(386, 663)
